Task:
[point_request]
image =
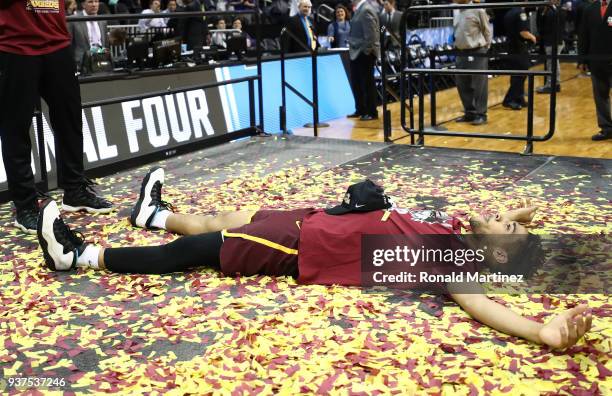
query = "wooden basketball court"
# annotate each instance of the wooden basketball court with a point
(576, 121)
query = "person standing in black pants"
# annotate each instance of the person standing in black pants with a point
(36, 60)
(364, 49)
(595, 39)
(516, 22)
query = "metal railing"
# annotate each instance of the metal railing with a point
(406, 73)
(314, 103)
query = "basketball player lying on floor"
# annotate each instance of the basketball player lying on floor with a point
(266, 242)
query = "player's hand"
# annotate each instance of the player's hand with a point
(565, 329)
(524, 214)
(583, 67)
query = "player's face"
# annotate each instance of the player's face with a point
(496, 225)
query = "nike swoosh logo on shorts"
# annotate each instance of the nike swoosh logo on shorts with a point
(359, 206)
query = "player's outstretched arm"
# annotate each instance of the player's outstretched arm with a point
(561, 332)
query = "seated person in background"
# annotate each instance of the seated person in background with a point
(219, 38)
(87, 36)
(302, 26)
(171, 8)
(314, 246)
(154, 8)
(237, 24)
(339, 30)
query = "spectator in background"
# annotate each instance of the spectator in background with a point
(237, 24)
(546, 27)
(302, 26)
(339, 30)
(88, 36)
(36, 61)
(70, 7)
(364, 49)
(472, 38)
(390, 17)
(193, 29)
(516, 22)
(219, 38)
(171, 8)
(595, 40)
(146, 24)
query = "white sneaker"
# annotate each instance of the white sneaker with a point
(61, 246)
(149, 202)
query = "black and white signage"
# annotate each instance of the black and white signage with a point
(135, 128)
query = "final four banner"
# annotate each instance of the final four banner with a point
(135, 128)
(132, 129)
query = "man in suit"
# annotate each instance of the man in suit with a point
(594, 40)
(87, 36)
(390, 17)
(364, 49)
(302, 26)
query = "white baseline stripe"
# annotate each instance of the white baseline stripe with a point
(224, 104)
(232, 98)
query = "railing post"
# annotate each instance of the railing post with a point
(283, 108)
(529, 145)
(432, 89)
(315, 94)
(383, 87)
(42, 154)
(259, 66)
(421, 140)
(553, 78)
(252, 104)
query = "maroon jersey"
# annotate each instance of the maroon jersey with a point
(33, 27)
(330, 246)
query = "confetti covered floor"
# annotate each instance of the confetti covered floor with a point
(201, 333)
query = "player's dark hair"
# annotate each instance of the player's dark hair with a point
(525, 257)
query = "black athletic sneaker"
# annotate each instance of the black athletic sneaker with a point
(61, 246)
(150, 200)
(25, 219)
(84, 197)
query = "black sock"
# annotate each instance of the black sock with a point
(184, 253)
